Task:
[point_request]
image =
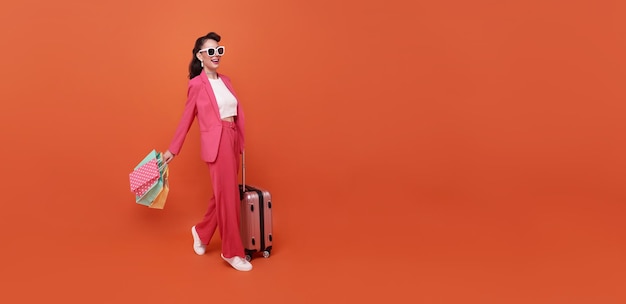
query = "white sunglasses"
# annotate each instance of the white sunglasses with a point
(212, 51)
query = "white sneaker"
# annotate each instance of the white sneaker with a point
(238, 263)
(198, 247)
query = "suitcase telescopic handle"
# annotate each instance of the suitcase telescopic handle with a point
(243, 170)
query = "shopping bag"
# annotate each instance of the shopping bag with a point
(144, 177)
(149, 178)
(145, 174)
(159, 201)
(148, 198)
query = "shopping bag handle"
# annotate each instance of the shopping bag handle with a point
(161, 167)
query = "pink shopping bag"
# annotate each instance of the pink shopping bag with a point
(144, 177)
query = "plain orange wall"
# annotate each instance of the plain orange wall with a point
(498, 122)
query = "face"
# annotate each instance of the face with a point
(210, 54)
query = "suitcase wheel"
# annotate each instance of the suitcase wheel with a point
(266, 254)
(248, 257)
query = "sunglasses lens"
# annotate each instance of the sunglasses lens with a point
(211, 52)
(220, 50)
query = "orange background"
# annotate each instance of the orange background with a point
(417, 151)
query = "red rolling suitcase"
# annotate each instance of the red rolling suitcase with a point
(256, 218)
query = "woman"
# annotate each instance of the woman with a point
(211, 98)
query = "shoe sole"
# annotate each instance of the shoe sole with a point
(195, 236)
(225, 260)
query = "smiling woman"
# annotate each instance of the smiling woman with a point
(211, 99)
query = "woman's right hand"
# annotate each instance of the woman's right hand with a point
(168, 156)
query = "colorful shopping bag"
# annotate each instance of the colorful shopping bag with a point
(148, 198)
(159, 201)
(149, 178)
(144, 177)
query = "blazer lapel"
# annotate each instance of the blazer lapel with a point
(209, 90)
(228, 85)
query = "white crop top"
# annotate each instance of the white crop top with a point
(226, 101)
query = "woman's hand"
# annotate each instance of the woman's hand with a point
(168, 156)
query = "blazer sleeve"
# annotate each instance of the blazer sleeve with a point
(189, 114)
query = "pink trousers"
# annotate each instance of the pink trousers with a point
(224, 205)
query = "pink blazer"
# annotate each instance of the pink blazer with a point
(201, 103)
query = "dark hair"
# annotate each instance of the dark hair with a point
(195, 67)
